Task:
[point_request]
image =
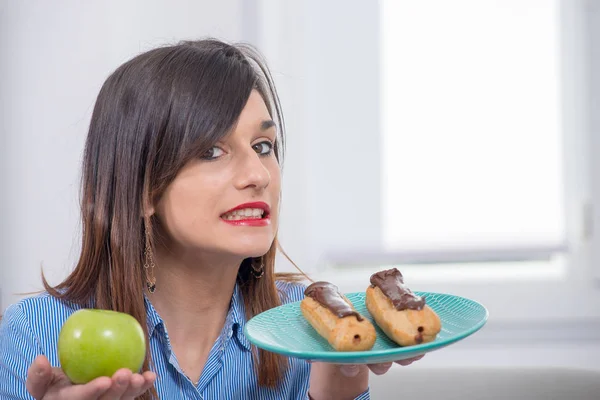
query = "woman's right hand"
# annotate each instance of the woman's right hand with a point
(47, 383)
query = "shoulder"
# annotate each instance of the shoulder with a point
(290, 292)
(41, 309)
(29, 328)
(39, 318)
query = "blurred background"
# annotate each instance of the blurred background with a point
(455, 140)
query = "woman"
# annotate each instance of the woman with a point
(180, 209)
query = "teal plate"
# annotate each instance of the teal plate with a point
(284, 330)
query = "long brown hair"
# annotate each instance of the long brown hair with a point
(152, 115)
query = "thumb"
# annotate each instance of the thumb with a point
(349, 370)
(39, 377)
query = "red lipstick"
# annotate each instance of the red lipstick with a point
(250, 221)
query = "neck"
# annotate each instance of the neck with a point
(193, 295)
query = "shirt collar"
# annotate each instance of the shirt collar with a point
(238, 317)
(152, 318)
(234, 323)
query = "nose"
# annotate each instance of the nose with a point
(252, 173)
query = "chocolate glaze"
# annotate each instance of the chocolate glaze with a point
(329, 297)
(391, 283)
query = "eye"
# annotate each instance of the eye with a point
(212, 153)
(263, 148)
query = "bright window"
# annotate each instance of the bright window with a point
(472, 153)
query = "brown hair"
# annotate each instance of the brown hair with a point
(152, 115)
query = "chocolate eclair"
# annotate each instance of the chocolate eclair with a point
(401, 314)
(333, 316)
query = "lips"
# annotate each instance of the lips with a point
(248, 214)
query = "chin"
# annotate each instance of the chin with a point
(247, 246)
(253, 251)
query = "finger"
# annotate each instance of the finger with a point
(39, 377)
(349, 370)
(149, 378)
(380, 369)
(90, 391)
(136, 383)
(120, 384)
(409, 361)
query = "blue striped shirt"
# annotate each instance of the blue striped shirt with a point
(31, 327)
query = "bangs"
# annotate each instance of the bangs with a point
(170, 105)
(207, 97)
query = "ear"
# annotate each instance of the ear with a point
(149, 211)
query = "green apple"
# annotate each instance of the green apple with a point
(94, 343)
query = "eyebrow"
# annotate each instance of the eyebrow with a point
(266, 125)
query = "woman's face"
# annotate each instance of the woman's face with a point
(227, 202)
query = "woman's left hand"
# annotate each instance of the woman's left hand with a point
(351, 370)
(345, 380)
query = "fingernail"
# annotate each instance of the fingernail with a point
(121, 380)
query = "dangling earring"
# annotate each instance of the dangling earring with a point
(257, 272)
(149, 265)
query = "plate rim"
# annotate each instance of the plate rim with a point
(341, 355)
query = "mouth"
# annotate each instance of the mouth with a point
(244, 213)
(247, 212)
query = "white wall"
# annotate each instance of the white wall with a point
(54, 58)
(325, 59)
(594, 112)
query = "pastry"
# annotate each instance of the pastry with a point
(332, 315)
(401, 314)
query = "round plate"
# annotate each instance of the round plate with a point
(284, 330)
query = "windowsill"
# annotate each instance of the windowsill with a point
(531, 293)
(554, 270)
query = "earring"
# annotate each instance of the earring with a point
(257, 272)
(149, 265)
